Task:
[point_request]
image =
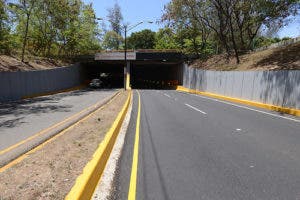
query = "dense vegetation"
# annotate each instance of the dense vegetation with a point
(200, 27)
(47, 28)
(230, 26)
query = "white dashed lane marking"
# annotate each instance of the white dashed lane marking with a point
(192, 107)
(167, 95)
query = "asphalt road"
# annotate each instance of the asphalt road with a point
(22, 119)
(194, 147)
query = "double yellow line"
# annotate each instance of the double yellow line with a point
(134, 168)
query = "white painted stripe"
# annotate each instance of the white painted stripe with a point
(195, 108)
(252, 109)
(167, 95)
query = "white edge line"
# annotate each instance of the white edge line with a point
(195, 108)
(245, 107)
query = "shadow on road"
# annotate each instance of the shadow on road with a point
(12, 113)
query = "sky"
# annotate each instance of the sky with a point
(135, 11)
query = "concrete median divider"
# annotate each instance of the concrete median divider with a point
(290, 111)
(86, 183)
(12, 153)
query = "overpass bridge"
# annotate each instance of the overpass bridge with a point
(143, 68)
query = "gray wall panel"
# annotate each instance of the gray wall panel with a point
(247, 85)
(15, 85)
(280, 88)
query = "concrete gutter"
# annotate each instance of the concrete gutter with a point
(15, 151)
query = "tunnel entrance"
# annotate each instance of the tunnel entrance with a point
(147, 69)
(155, 75)
(110, 74)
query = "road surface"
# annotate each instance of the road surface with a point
(194, 147)
(22, 119)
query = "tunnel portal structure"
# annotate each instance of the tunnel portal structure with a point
(144, 68)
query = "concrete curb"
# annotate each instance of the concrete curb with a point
(15, 151)
(290, 111)
(87, 182)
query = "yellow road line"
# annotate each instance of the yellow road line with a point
(133, 177)
(22, 157)
(47, 129)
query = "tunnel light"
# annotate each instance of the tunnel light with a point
(164, 60)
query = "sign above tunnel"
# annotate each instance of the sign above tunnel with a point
(115, 56)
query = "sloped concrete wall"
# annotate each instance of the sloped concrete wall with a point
(15, 85)
(281, 88)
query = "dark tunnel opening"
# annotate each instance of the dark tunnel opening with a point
(155, 75)
(143, 74)
(110, 74)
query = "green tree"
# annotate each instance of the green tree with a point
(165, 38)
(144, 39)
(23, 10)
(4, 29)
(112, 40)
(57, 27)
(115, 19)
(232, 23)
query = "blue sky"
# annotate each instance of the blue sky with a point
(135, 11)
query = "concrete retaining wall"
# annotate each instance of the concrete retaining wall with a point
(16, 85)
(281, 88)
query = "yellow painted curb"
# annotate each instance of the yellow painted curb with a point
(290, 111)
(86, 183)
(54, 92)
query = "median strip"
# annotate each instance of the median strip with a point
(10, 155)
(86, 183)
(51, 171)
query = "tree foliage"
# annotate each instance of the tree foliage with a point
(51, 28)
(233, 24)
(165, 38)
(4, 28)
(115, 18)
(144, 39)
(112, 40)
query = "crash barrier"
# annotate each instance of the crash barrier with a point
(26, 84)
(279, 88)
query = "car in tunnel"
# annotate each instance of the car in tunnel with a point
(95, 83)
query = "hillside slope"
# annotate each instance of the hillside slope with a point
(11, 64)
(287, 57)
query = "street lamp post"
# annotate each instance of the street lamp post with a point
(126, 68)
(125, 56)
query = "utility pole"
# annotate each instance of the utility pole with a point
(125, 57)
(125, 48)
